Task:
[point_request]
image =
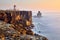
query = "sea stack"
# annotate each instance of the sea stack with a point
(39, 14)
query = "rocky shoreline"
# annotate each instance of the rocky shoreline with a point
(8, 33)
(27, 37)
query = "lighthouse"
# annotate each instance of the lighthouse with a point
(14, 7)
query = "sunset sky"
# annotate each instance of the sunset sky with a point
(48, 5)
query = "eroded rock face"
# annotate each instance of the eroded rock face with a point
(22, 20)
(6, 28)
(16, 25)
(7, 32)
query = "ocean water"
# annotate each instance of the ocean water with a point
(48, 25)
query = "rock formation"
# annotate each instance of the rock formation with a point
(16, 25)
(39, 14)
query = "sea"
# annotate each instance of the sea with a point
(48, 25)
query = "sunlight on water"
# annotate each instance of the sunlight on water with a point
(49, 25)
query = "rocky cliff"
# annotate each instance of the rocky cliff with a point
(17, 25)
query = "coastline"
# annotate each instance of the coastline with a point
(14, 35)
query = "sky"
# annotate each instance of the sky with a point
(45, 5)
